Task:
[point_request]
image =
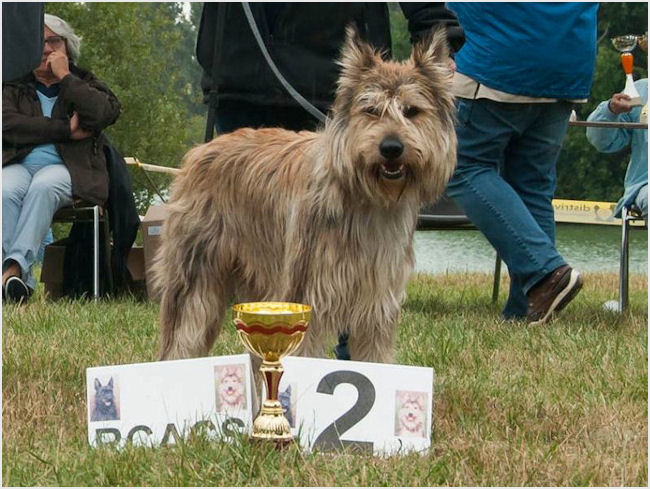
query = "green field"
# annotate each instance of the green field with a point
(563, 404)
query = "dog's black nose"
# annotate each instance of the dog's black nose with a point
(391, 148)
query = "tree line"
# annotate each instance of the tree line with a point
(145, 53)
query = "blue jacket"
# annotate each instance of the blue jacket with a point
(611, 140)
(532, 49)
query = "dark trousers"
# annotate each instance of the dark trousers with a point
(234, 116)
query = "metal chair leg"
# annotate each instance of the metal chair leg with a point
(96, 251)
(625, 261)
(497, 279)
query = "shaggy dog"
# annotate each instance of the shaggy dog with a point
(411, 414)
(322, 218)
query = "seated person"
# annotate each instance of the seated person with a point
(52, 150)
(610, 140)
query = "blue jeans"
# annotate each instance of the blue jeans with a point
(31, 194)
(505, 181)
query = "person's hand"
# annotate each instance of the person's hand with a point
(76, 132)
(58, 63)
(620, 103)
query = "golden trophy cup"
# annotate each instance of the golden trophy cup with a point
(625, 45)
(271, 330)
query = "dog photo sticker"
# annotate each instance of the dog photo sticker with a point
(230, 387)
(104, 403)
(410, 414)
(288, 403)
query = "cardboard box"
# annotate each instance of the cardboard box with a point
(52, 270)
(151, 226)
(53, 260)
(135, 263)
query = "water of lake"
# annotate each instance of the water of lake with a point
(588, 248)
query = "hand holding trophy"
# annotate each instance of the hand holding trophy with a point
(271, 330)
(625, 45)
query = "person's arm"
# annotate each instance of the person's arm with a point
(609, 139)
(92, 100)
(21, 129)
(422, 17)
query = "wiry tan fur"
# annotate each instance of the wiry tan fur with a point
(309, 217)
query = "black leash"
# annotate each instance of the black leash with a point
(302, 101)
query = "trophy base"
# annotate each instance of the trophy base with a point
(271, 426)
(278, 443)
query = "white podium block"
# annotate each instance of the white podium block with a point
(159, 403)
(383, 409)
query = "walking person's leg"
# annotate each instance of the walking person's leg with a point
(531, 172)
(485, 130)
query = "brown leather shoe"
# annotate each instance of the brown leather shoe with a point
(552, 293)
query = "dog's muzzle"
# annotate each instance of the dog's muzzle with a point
(391, 148)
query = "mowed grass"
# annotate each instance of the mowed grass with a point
(562, 404)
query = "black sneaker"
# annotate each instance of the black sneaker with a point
(15, 290)
(552, 294)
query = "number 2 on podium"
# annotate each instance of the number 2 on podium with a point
(330, 438)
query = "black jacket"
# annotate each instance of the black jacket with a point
(24, 127)
(304, 40)
(123, 226)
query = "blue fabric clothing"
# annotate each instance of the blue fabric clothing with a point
(44, 154)
(533, 49)
(48, 239)
(505, 180)
(611, 140)
(32, 191)
(30, 197)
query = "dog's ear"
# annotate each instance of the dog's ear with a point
(110, 383)
(98, 384)
(357, 57)
(431, 51)
(356, 54)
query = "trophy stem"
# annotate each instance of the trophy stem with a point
(271, 424)
(272, 372)
(627, 60)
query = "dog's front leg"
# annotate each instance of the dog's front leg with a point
(299, 281)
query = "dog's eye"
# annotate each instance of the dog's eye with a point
(374, 111)
(409, 111)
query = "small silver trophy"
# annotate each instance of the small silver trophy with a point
(625, 45)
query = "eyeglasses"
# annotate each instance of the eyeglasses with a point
(55, 42)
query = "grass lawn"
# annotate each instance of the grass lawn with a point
(562, 404)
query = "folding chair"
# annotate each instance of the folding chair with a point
(628, 214)
(81, 211)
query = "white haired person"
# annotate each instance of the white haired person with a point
(52, 122)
